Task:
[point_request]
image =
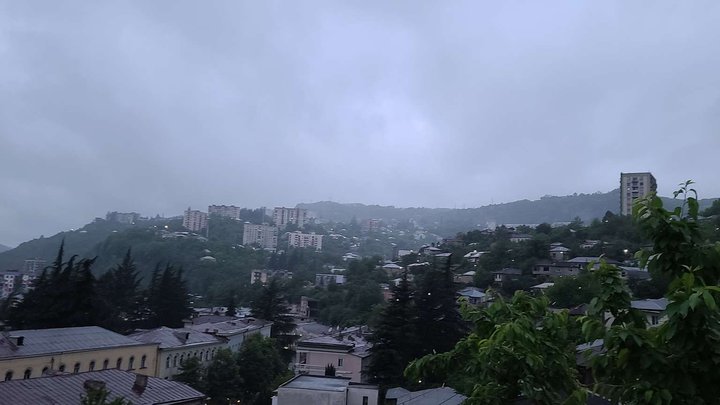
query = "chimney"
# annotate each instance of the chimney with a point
(17, 340)
(187, 336)
(140, 383)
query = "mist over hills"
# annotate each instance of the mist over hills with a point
(4, 248)
(87, 241)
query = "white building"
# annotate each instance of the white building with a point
(315, 389)
(195, 220)
(234, 331)
(324, 280)
(634, 186)
(283, 216)
(34, 266)
(263, 235)
(229, 211)
(305, 240)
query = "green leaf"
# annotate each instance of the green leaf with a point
(709, 300)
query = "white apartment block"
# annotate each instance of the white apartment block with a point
(305, 240)
(229, 211)
(634, 186)
(263, 235)
(283, 216)
(195, 220)
(34, 266)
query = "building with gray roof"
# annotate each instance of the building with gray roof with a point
(68, 389)
(234, 331)
(33, 353)
(315, 389)
(433, 396)
(180, 344)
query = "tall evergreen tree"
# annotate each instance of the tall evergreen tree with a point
(223, 377)
(439, 323)
(270, 305)
(168, 303)
(260, 364)
(119, 291)
(394, 337)
(192, 373)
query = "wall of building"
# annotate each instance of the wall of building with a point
(317, 361)
(170, 360)
(356, 394)
(53, 362)
(294, 396)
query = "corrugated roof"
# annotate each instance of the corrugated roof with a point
(47, 341)
(320, 383)
(231, 327)
(68, 389)
(658, 305)
(169, 337)
(433, 396)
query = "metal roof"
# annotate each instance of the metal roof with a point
(433, 396)
(68, 389)
(658, 305)
(169, 337)
(39, 342)
(317, 382)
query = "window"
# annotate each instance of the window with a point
(182, 359)
(365, 400)
(654, 320)
(175, 361)
(61, 368)
(207, 355)
(302, 358)
(167, 362)
(8, 376)
(118, 364)
(143, 360)
(27, 374)
(44, 372)
(340, 362)
(91, 367)
(131, 363)
(106, 363)
(76, 368)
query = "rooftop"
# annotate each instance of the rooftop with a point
(230, 327)
(658, 304)
(471, 292)
(39, 342)
(169, 337)
(318, 383)
(68, 388)
(433, 396)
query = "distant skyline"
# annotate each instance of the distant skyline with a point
(156, 106)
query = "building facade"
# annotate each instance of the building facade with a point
(283, 216)
(305, 240)
(195, 220)
(229, 211)
(34, 266)
(235, 331)
(315, 390)
(348, 353)
(634, 186)
(264, 236)
(34, 353)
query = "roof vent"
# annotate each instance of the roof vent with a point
(17, 340)
(140, 383)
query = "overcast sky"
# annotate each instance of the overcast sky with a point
(154, 106)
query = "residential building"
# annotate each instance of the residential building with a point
(347, 352)
(324, 280)
(67, 389)
(474, 256)
(315, 389)
(263, 235)
(473, 295)
(229, 211)
(263, 276)
(195, 220)
(392, 269)
(571, 267)
(35, 353)
(309, 307)
(652, 309)
(305, 240)
(506, 274)
(559, 253)
(122, 217)
(520, 237)
(283, 216)
(177, 345)
(348, 257)
(233, 331)
(34, 266)
(466, 278)
(432, 396)
(15, 281)
(634, 186)
(371, 225)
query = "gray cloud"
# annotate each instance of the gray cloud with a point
(154, 106)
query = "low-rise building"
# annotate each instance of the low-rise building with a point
(234, 331)
(176, 345)
(506, 274)
(33, 353)
(347, 352)
(559, 253)
(432, 396)
(325, 279)
(263, 276)
(466, 278)
(68, 389)
(315, 389)
(473, 295)
(652, 309)
(520, 237)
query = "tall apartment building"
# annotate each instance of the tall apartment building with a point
(283, 216)
(122, 217)
(304, 240)
(34, 266)
(264, 235)
(229, 211)
(634, 186)
(195, 220)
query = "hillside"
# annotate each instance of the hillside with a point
(447, 221)
(4, 248)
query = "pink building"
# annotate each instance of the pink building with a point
(348, 353)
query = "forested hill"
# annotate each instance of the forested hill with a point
(448, 221)
(4, 248)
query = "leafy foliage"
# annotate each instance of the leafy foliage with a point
(516, 348)
(675, 362)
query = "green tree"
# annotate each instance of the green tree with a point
(270, 305)
(517, 349)
(394, 338)
(438, 322)
(675, 362)
(223, 378)
(260, 365)
(192, 373)
(168, 303)
(571, 291)
(97, 394)
(119, 293)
